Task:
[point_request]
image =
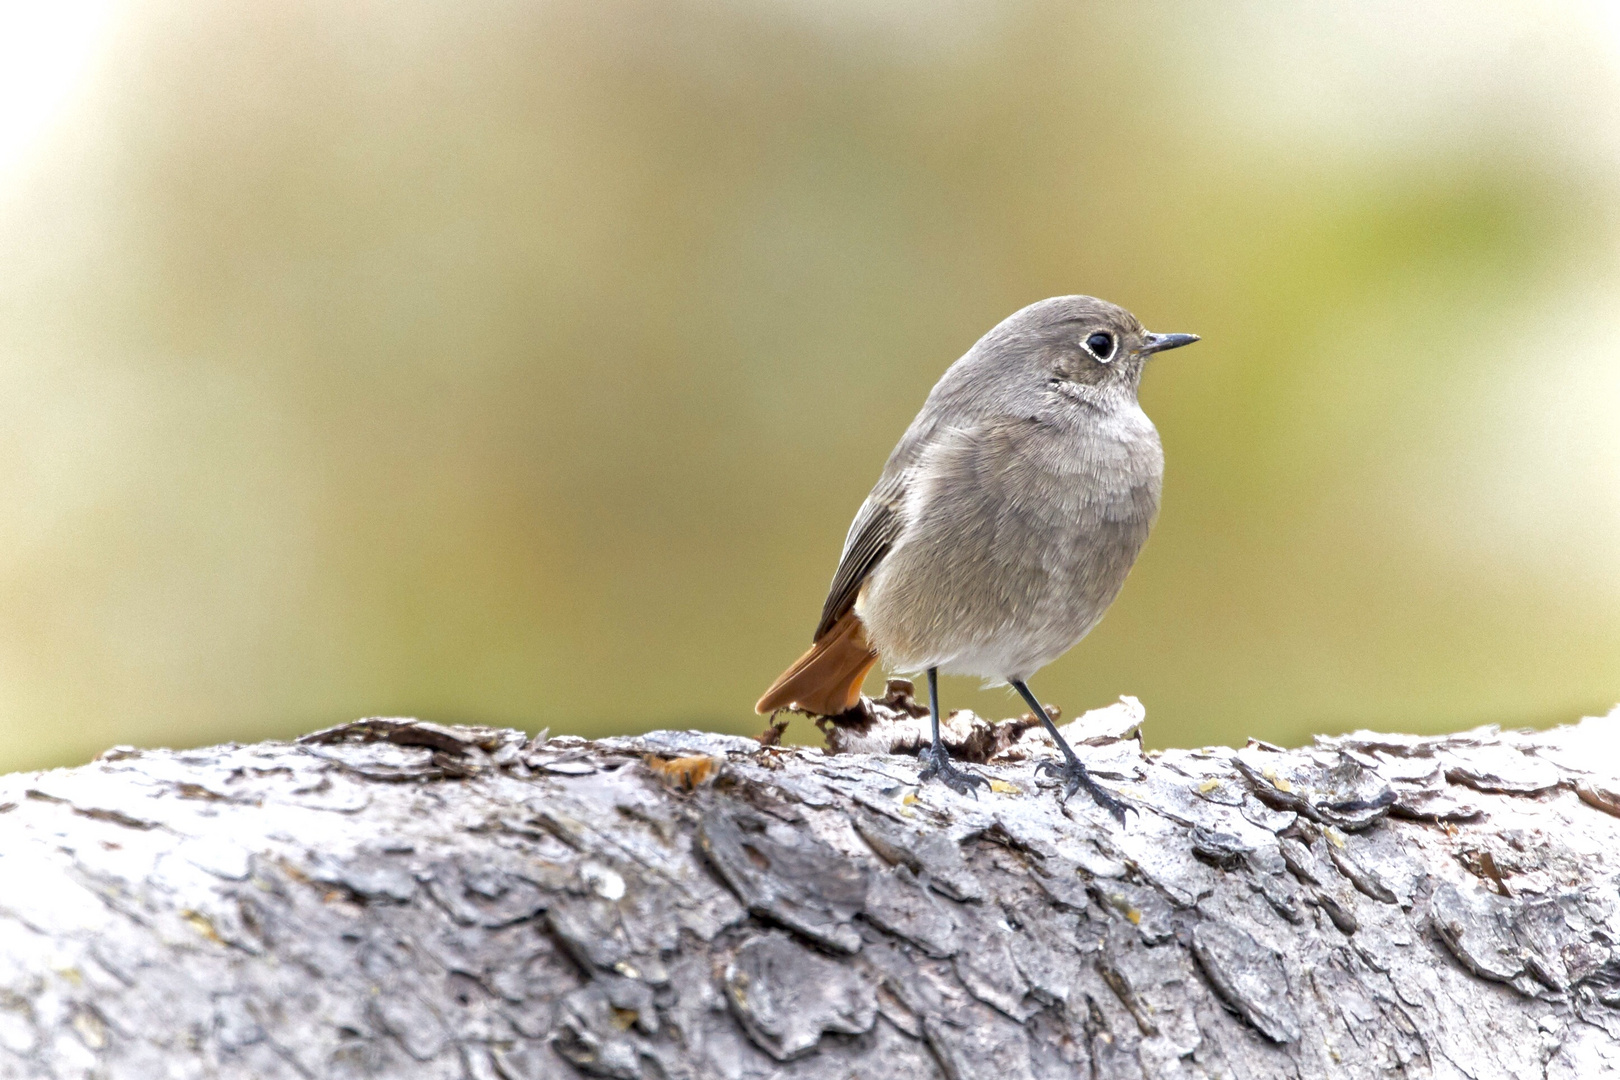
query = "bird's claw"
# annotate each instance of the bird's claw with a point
(1073, 775)
(937, 766)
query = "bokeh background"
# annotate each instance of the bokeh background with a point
(524, 363)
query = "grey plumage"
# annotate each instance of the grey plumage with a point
(1005, 521)
(1008, 516)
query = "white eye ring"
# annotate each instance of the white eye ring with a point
(1103, 350)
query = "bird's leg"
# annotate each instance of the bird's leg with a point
(1074, 773)
(936, 761)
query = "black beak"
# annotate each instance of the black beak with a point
(1161, 342)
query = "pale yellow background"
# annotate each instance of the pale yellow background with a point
(524, 362)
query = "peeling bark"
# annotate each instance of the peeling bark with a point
(394, 898)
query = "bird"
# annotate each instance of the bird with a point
(1002, 527)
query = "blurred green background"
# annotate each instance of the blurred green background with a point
(524, 363)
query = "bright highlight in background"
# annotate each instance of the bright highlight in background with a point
(45, 47)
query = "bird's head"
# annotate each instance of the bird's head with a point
(1082, 347)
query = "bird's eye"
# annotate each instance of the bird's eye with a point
(1101, 346)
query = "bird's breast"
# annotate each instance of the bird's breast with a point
(1017, 537)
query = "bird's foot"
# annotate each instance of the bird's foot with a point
(1073, 777)
(937, 766)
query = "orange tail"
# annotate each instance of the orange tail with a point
(827, 679)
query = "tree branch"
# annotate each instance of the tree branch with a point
(394, 898)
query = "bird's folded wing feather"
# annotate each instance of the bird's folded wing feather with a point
(880, 520)
(874, 531)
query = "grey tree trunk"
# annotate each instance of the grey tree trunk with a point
(400, 899)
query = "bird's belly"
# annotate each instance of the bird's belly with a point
(997, 609)
(1016, 540)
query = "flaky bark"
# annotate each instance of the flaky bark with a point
(405, 900)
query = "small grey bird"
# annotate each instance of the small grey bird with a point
(1003, 525)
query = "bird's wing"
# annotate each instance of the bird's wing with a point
(876, 527)
(879, 521)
